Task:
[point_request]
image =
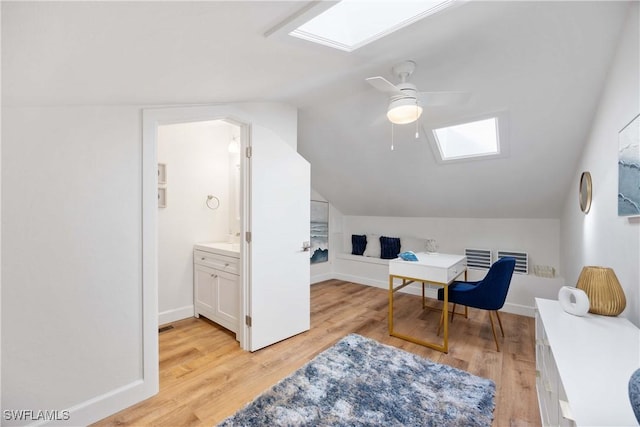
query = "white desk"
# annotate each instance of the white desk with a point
(440, 269)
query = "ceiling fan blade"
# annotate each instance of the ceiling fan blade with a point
(383, 85)
(436, 99)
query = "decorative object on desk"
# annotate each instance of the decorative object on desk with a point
(408, 256)
(634, 393)
(358, 244)
(584, 192)
(319, 231)
(373, 246)
(573, 300)
(629, 169)
(605, 294)
(359, 381)
(389, 247)
(432, 246)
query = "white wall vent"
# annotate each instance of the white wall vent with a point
(522, 260)
(478, 258)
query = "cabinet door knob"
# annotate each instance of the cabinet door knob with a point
(214, 275)
(226, 265)
(202, 258)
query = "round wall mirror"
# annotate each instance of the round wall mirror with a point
(585, 192)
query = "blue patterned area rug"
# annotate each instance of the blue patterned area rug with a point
(360, 382)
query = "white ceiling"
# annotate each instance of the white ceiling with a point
(542, 64)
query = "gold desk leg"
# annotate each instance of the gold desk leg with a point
(446, 320)
(443, 348)
(390, 305)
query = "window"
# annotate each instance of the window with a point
(481, 138)
(351, 24)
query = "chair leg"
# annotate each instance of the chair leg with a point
(466, 312)
(500, 323)
(493, 329)
(453, 312)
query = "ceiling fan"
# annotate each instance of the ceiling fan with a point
(405, 103)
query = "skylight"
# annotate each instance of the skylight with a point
(351, 24)
(467, 140)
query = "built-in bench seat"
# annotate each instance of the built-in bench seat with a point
(362, 258)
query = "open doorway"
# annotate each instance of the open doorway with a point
(274, 223)
(199, 212)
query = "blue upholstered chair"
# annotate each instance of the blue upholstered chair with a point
(487, 294)
(634, 393)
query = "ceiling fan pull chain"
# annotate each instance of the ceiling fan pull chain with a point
(391, 136)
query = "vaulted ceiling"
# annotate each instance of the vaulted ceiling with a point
(542, 64)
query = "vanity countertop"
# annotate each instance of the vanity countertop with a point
(221, 248)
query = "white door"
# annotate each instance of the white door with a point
(279, 272)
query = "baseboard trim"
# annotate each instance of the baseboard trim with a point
(99, 407)
(175, 314)
(321, 278)
(520, 309)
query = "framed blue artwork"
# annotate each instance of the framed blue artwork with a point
(319, 231)
(629, 169)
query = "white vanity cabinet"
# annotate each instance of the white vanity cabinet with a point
(216, 269)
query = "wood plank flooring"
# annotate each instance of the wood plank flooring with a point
(205, 376)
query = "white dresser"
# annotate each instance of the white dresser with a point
(216, 277)
(583, 366)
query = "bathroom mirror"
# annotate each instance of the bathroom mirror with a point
(585, 192)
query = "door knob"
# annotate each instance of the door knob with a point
(306, 246)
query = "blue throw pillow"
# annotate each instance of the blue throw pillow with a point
(389, 247)
(358, 243)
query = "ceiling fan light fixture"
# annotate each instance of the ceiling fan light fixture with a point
(404, 111)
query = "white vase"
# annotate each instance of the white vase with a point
(573, 300)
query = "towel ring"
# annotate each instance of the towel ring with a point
(209, 198)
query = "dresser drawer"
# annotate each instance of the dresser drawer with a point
(219, 262)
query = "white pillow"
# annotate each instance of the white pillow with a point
(373, 246)
(413, 244)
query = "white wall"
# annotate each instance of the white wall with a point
(71, 242)
(73, 323)
(538, 237)
(198, 164)
(602, 237)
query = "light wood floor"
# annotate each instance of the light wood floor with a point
(205, 376)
